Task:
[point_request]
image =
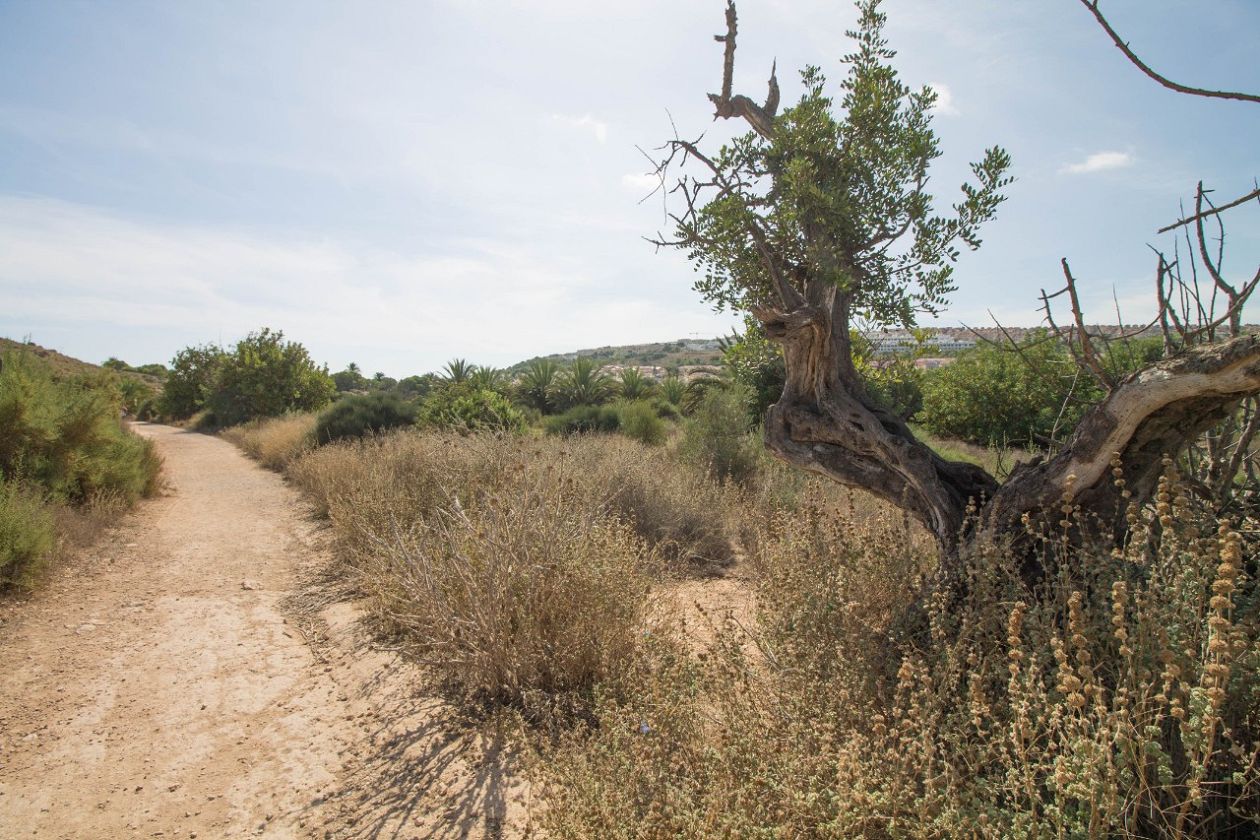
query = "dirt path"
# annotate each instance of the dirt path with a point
(161, 687)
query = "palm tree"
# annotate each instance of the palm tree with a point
(634, 385)
(457, 371)
(673, 389)
(486, 378)
(536, 383)
(583, 383)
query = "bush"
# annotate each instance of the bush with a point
(718, 437)
(65, 436)
(275, 442)
(583, 419)
(461, 407)
(190, 381)
(355, 416)
(895, 384)
(756, 364)
(991, 396)
(27, 535)
(265, 376)
(639, 421)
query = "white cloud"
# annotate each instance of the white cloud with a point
(1099, 162)
(103, 277)
(944, 106)
(586, 122)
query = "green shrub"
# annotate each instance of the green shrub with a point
(265, 376)
(190, 381)
(354, 416)
(639, 420)
(27, 535)
(994, 396)
(718, 438)
(458, 406)
(895, 384)
(756, 363)
(583, 419)
(65, 436)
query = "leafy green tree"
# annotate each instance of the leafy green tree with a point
(350, 379)
(416, 387)
(534, 388)
(190, 381)
(583, 383)
(818, 217)
(265, 376)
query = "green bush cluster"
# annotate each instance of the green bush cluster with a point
(66, 436)
(262, 376)
(992, 396)
(63, 443)
(354, 416)
(583, 419)
(465, 408)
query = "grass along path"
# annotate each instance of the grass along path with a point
(162, 687)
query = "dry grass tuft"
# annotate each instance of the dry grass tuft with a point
(518, 568)
(275, 442)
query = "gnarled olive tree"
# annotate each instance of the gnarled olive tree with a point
(820, 216)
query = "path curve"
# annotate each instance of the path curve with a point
(158, 688)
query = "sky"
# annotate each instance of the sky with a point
(400, 183)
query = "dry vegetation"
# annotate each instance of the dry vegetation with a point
(1121, 697)
(276, 442)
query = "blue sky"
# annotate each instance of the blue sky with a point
(398, 183)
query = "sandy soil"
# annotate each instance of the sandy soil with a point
(168, 684)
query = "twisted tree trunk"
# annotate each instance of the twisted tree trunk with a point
(827, 424)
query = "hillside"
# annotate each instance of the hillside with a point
(666, 354)
(67, 366)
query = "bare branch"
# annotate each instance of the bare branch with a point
(1087, 345)
(1123, 46)
(728, 104)
(1191, 219)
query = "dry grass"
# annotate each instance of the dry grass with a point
(681, 514)
(1120, 699)
(520, 569)
(275, 442)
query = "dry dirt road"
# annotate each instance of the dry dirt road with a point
(165, 685)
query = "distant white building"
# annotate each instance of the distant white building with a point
(892, 343)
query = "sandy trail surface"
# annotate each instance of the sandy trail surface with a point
(164, 685)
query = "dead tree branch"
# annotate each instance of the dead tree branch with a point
(1123, 46)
